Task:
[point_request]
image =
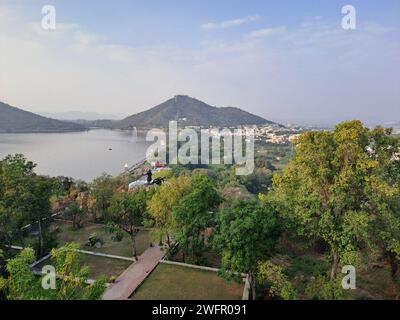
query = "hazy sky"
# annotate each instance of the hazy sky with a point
(284, 60)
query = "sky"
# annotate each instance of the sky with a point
(288, 61)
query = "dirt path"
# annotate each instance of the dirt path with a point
(132, 277)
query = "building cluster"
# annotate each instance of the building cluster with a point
(275, 134)
(270, 133)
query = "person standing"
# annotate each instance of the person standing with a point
(149, 176)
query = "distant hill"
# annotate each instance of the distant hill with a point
(78, 115)
(189, 112)
(14, 120)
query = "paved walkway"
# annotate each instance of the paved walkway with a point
(132, 277)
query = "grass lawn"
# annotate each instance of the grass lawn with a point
(81, 236)
(99, 266)
(169, 282)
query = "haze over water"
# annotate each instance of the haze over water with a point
(80, 155)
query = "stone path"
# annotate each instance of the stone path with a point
(132, 277)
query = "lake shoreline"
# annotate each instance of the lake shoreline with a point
(81, 155)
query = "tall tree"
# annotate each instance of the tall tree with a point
(102, 189)
(24, 199)
(39, 210)
(247, 236)
(77, 215)
(127, 211)
(15, 174)
(384, 200)
(166, 198)
(329, 190)
(196, 213)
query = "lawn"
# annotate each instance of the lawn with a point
(99, 266)
(170, 282)
(122, 248)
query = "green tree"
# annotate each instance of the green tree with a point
(332, 188)
(71, 284)
(196, 213)
(384, 199)
(15, 173)
(73, 277)
(22, 284)
(39, 211)
(24, 199)
(127, 210)
(247, 236)
(102, 189)
(76, 214)
(166, 198)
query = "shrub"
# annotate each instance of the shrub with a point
(277, 282)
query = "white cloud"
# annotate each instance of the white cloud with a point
(229, 23)
(267, 32)
(86, 38)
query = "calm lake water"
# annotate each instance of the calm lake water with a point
(81, 155)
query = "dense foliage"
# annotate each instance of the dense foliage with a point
(288, 230)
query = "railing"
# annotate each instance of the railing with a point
(136, 165)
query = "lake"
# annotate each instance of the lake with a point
(80, 155)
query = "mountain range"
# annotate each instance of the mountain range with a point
(15, 120)
(184, 109)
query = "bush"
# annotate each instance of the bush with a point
(322, 288)
(277, 282)
(117, 236)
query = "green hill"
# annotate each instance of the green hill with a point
(15, 120)
(189, 112)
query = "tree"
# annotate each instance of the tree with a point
(39, 211)
(24, 199)
(22, 284)
(332, 189)
(102, 190)
(71, 284)
(127, 211)
(259, 181)
(77, 214)
(162, 204)
(384, 200)
(247, 235)
(9, 226)
(15, 173)
(194, 214)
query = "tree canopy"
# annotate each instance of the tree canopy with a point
(338, 185)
